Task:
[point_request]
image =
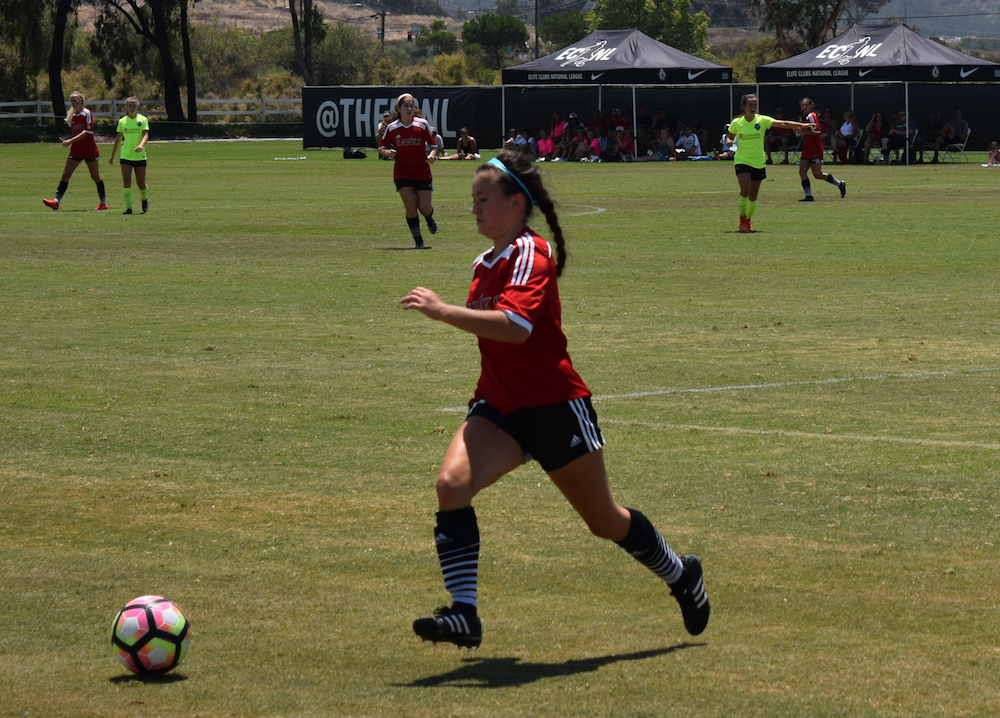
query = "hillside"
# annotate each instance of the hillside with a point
(967, 18)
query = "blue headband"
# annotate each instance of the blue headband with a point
(497, 163)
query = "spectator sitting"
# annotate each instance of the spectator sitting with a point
(930, 137)
(688, 144)
(598, 122)
(576, 149)
(726, 150)
(876, 129)
(664, 151)
(898, 137)
(546, 146)
(438, 144)
(468, 149)
(660, 121)
(514, 140)
(846, 137)
(618, 121)
(530, 146)
(776, 136)
(956, 130)
(994, 160)
(643, 123)
(624, 147)
(828, 127)
(559, 131)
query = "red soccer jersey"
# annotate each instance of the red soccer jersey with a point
(521, 282)
(408, 141)
(80, 124)
(812, 145)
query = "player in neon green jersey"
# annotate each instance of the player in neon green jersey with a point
(750, 128)
(133, 134)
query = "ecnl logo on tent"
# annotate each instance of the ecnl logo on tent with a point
(580, 56)
(843, 54)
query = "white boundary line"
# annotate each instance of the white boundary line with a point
(808, 434)
(778, 385)
(594, 209)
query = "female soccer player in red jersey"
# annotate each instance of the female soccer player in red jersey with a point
(83, 148)
(529, 403)
(403, 142)
(812, 153)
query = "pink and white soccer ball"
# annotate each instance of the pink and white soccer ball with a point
(151, 635)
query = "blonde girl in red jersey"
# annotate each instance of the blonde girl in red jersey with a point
(404, 142)
(529, 403)
(83, 148)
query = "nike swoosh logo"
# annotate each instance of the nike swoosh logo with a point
(965, 73)
(862, 73)
(692, 75)
(595, 75)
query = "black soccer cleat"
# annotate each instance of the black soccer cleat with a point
(145, 206)
(128, 211)
(843, 189)
(808, 198)
(690, 594)
(448, 626)
(432, 224)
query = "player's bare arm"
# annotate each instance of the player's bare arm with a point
(490, 324)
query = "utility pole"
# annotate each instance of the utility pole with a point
(381, 32)
(536, 29)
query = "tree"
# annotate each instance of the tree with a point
(498, 36)
(158, 22)
(561, 30)
(669, 21)
(438, 39)
(22, 46)
(303, 25)
(801, 24)
(60, 17)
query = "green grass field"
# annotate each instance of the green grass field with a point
(223, 402)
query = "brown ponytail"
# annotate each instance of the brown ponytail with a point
(527, 172)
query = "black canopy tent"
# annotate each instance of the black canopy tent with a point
(606, 61)
(879, 55)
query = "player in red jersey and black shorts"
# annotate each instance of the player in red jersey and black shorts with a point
(530, 403)
(812, 153)
(404, 142)
(83, 148)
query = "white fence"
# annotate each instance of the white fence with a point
(252, 110)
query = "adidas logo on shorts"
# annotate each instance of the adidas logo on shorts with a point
(576, 441)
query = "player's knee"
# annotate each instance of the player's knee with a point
(451, 484)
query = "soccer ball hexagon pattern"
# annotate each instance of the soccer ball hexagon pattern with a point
(151, 635)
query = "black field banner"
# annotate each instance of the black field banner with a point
(348, 116)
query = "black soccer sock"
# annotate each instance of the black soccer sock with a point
(101, 193)
(832, 180)
(61, 191)
(414, 224)
(457, 539)
(807, 187)
(647, 546)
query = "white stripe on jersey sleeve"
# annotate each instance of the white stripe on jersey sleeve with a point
(519, 320)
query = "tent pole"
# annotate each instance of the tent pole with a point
(634, 112)
(906, 136)
(503, 114)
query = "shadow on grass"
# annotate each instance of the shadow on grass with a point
(510, 672)
(149, 678)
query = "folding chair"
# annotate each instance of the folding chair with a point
(954, 151)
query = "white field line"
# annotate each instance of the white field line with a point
(807, 434)
(776, 385)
